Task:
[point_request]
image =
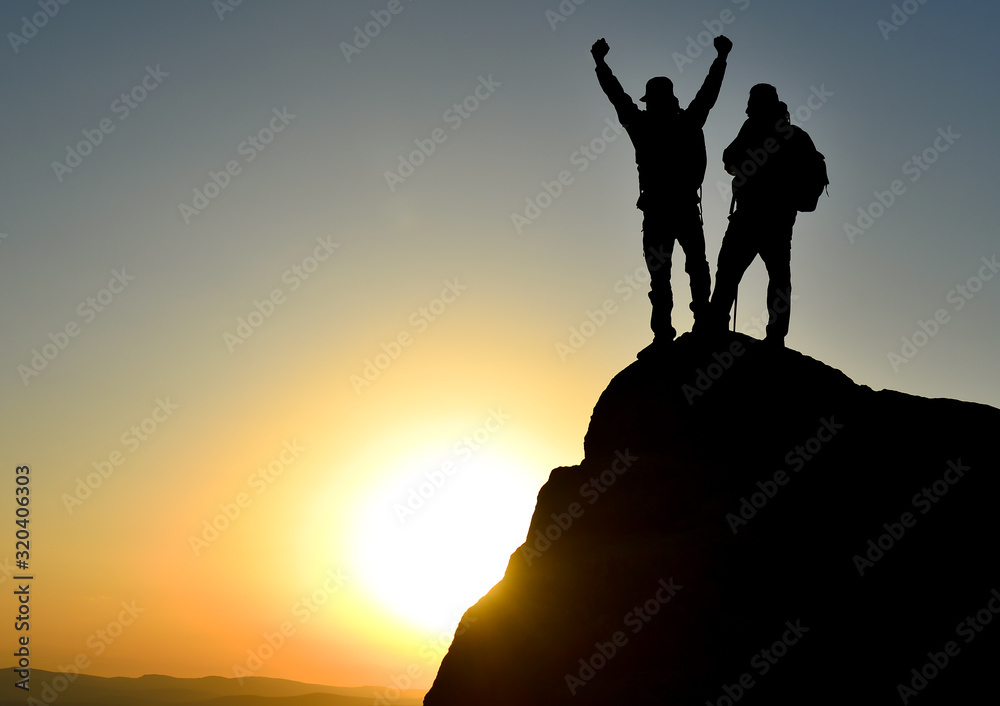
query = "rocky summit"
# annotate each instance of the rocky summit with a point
(749, 526)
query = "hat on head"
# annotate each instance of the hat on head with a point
(764, 104)
(764, 92)
(658, 86)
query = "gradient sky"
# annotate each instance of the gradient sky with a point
(429, 273)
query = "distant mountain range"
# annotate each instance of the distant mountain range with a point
(160, 690)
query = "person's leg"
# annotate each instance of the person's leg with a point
(739, 248)
(657, 249)
(776, 253)
(691, 236)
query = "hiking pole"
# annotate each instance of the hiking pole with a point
(736, 299)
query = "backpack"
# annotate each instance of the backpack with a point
(810, 179)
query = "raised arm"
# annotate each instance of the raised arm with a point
(709, 91)
(625, 107)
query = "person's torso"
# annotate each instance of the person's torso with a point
(669, 154)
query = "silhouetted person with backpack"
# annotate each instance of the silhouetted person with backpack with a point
(776, 172)
(671, 160)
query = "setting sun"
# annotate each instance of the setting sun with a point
(429, 543)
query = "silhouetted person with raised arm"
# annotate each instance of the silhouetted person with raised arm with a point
(671, 160)
(774, 166)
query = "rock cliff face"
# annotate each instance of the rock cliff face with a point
(750, 526)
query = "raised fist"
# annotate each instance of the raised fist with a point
(600, 49)
(723, 45)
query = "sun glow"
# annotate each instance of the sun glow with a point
(429, 545)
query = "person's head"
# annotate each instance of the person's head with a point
(763, 102)
(660, 95)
